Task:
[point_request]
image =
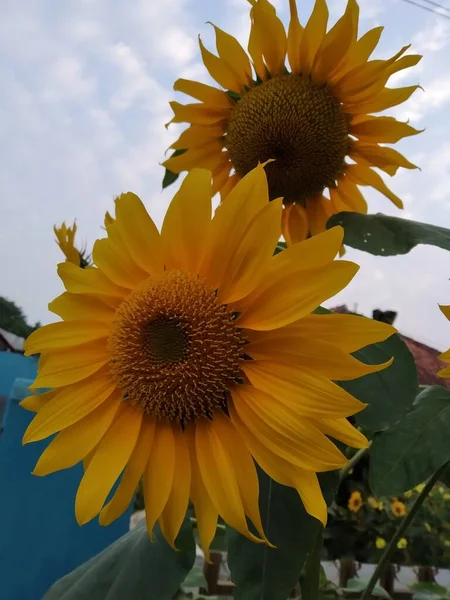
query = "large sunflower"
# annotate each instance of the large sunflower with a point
(184, 356)
(309, 119)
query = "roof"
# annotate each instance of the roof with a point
(14, 342)
(426, 358)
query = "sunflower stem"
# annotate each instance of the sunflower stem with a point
(310, 578)
(400, 531)
(352, 462)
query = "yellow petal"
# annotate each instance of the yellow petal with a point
(229, 186)
(249, 264)
(305, 482)
(35, 402)
(382, 130)
(218, 474)
(204, 93)
(358, 53)
(205, 512)
(317, 357)
(70, 365)
(362, 175)
(343, 430)
(220, 176)
(64, 335)
(294, 224)
(351, 195)
(185, 227)
(220, 70)
(405, 62)
(197, 136)
(387, 98)
(69, 405)
(286, 434)
(336, 43)
(131, 476)
(294, 38)
(308, 394)
(159, 474)
(349, 332)
(107, 464)
(255, 48)
(115, 262)
(245, 470)
(230, 222)
(174, 512)
(272, 36)
(387, 159)
(74, 307)
(234, 56)
(198, 114)
(313, 35)
(88, 281)
(75, 442)
(271, 309)
(318, 209)
(207, 156)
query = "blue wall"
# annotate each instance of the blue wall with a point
(40, 540)
(13, 365)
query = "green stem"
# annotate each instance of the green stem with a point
(310, 579)
(400, 531)
(352, 462)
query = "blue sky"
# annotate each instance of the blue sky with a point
(85, 91)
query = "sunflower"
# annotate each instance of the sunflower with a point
(355, 502)
(186, 355)
(380, 543)
(402, 543)
(308, 119)
(398, 508)
(65, 238)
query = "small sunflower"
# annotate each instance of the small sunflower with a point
(376, 504)
(402, 543)
(355, 502)
(398, 508)
(309, 119)
(186, 355)
(65, 238)
(380, 543)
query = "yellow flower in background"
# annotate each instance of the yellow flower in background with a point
(408, 494)
(309, 119)
(398, 508)
(184, 355)
(376, 504)
(380, 543)
(65, 238)
(419, 487)
(441, 490)
(447, 496)
(402, 543)
(427, 526)
(355, 502)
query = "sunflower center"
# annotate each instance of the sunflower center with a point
(174, 350)
(297, 123)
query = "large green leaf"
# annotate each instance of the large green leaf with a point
(133, 567)
(389, 393)
(387, 236)
(169, 176)
(409, 452)
(262, 573)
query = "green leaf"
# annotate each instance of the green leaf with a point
(262, 573)
(387, 236)
(389, 393)
(359, 585)
(132, 567)
(409, 452)
(169, 176)
(195, 577)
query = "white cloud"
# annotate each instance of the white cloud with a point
(433, 38)
(435, 96)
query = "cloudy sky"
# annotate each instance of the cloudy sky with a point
(85, 91)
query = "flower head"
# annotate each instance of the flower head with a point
(355, 502)
(309, 118)
(398, 508)
(65, 238)
(402, 543)
(380, 543)
(186, 355)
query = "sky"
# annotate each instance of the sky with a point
(86, 86)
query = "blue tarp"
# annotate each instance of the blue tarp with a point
(13, 365)
(40, 540)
